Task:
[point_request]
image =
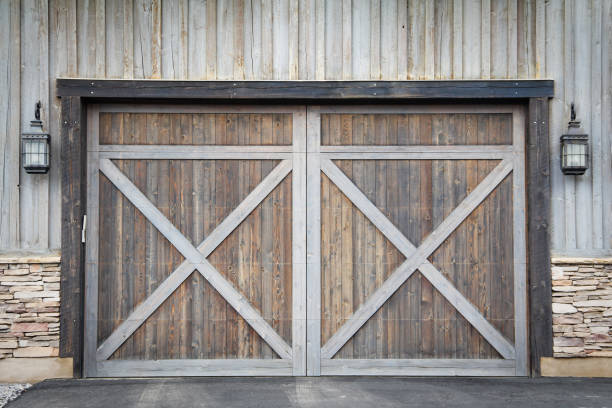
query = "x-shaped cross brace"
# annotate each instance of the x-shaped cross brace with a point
(195, 258)
(416, 258)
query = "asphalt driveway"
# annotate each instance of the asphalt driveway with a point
(320, 392)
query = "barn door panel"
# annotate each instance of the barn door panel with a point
(196, 241)
(413, 241)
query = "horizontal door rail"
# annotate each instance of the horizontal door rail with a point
(185, 367)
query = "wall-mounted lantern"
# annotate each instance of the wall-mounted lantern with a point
(574, 148)
(35, 146)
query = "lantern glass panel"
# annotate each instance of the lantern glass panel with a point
(574, 154)
(35, 153)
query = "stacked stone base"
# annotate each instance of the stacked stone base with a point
(582, 307)
(29, 306)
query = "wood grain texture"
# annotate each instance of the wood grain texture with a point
(457, 39)
(73, 209)
(10, 117)
(440, 332)
(305, 90)
(34, 189)
(540, 285)
(195, 321)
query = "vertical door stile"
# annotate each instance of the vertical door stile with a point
(91, 246)
(519, 241)
(299, 242)
(313, 242)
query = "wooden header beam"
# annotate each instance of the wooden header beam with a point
(319, 91)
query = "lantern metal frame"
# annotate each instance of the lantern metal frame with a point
(570, 139)
(574, 136)
(27, 138)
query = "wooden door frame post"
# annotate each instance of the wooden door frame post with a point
(76, 93)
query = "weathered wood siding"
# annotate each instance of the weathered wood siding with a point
(569, 41)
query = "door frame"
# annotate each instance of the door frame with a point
(77, 95)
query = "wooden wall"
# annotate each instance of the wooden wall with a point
(569, 41)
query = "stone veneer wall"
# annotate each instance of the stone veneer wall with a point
(29, 306)
(582, 307)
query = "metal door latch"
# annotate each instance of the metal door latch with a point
(84, 229)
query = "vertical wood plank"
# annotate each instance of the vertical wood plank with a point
(307, 39)
(416, 40)
(313, 244)
(443, 53)
(555, 69)
(333, 40)
(512, 70)
(485, 39)
(606, 106)
(360, 37)
(582, 98)
(267, 40)
(519, 232)
(62, 63)
(211, 40)
(34, 188)
(472, 33)
(538, 193)
(100, 40)
(174, 40)
(388, 40)
(298, 239)
(73, 208)
(347, 39)
(569, 95)
(375, 51)
(147, 39)
(540, 39)
(457, 39)
(499, 39)
(595, 114)
(225, 39)
(280, 39)
(294, 35)
(10, 116)
(197, 39)
(430, 47)
(91, 257)
(402, 39)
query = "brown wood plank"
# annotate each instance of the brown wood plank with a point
(187, 227)
(426, 190)
(140, 226)
(439, 137)
(304, 90)
(380, 123)
(166, 254)
(538, 192)
(73, 163)
(267, 244)
(255, 248)
(358, 239)
(346, 238)
(152, 240)
(416, 214)
(200, 176)
(335, 228)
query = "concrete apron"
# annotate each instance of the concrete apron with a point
(355, 392)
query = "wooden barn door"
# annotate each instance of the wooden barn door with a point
(196, 233)
(416, 241)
